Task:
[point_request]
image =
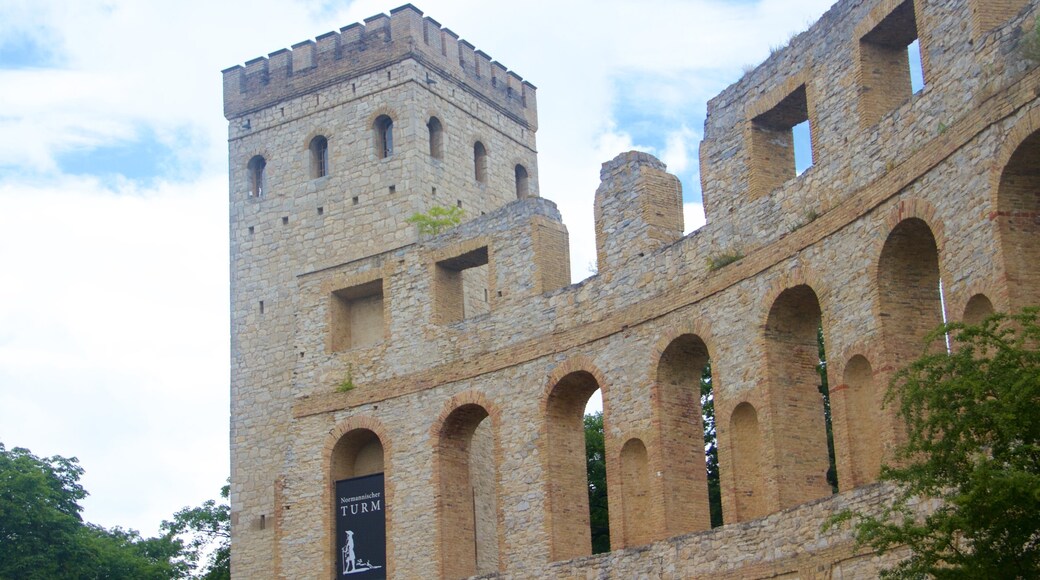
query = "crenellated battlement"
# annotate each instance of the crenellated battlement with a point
(361, 48)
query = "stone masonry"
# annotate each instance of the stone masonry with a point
(468, 358)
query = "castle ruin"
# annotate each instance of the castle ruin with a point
(459, 365)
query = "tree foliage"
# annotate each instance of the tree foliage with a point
(437, 219)
(711, 447)
(595, 455)
(205, 531)
(972, 442)
(42, 535)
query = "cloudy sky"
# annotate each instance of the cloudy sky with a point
(113, 185)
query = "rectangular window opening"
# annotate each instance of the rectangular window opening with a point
(891, 68)
(802, 138)
(356, 316)
(780, 144)
(285, 220)
(462, 286)
(321, 210)
(355, 200)
(913, 53)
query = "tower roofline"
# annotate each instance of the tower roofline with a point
(362, 48)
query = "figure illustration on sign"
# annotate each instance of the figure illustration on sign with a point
(349, 564)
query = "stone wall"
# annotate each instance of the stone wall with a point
(896, 202)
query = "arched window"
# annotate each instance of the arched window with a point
(1019, 230)
(683, 373)
(436, 138)
(256, 175)
(357, 469)
(384, 128)
(522, 187)
(862, 402)
(568, 490)
(480, 162)
(468, 506)
(319, 156)
(635, 494)
(749, 485)
(800, 434)
(978, 308)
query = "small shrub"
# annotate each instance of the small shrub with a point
(717, 261)
(1029, 46)
(437, 220)
(347, 384)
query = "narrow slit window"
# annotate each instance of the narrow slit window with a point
(256, 168)
(319, 156)
(480, 162)
(522, 185)
(384, 129)
(436, 138)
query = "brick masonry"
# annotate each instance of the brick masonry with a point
(471, 357)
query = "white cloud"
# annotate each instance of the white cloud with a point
(693, 216)
(679, 145)
(113, 313)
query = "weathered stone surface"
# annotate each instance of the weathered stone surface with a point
(472, 381)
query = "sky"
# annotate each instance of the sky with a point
(114, 334)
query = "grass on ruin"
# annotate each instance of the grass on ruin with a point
(724, 259)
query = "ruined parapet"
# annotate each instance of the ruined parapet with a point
(359, 49)
(638, 208)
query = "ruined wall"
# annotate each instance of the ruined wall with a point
(929, 190)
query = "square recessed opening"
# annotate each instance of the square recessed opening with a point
(355, 200)
(321, 211)
(461, 286)
(356, 316)
(781, 143)
(890, 63)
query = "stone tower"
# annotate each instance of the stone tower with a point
(455, 368)
(333, 145)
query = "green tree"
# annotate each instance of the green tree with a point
(973, 442)
(711, 447)
(42, 535)
(595, 455)
(825, 392)
(205, 531)
(437, 219)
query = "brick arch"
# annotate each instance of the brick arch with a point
(470, 540)
(320, 130)
(675, 450)
(1016, 212)
(379, 112)
(562, 436)
(861, 425)
(958, 304)
(800, 275)
(336, 433)
(911, 263)
(793, 419)
(577, 363)
(912, 207)
(747, 486)
(1026, 125)
(637, 506)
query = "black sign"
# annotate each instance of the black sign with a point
(360, 528)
